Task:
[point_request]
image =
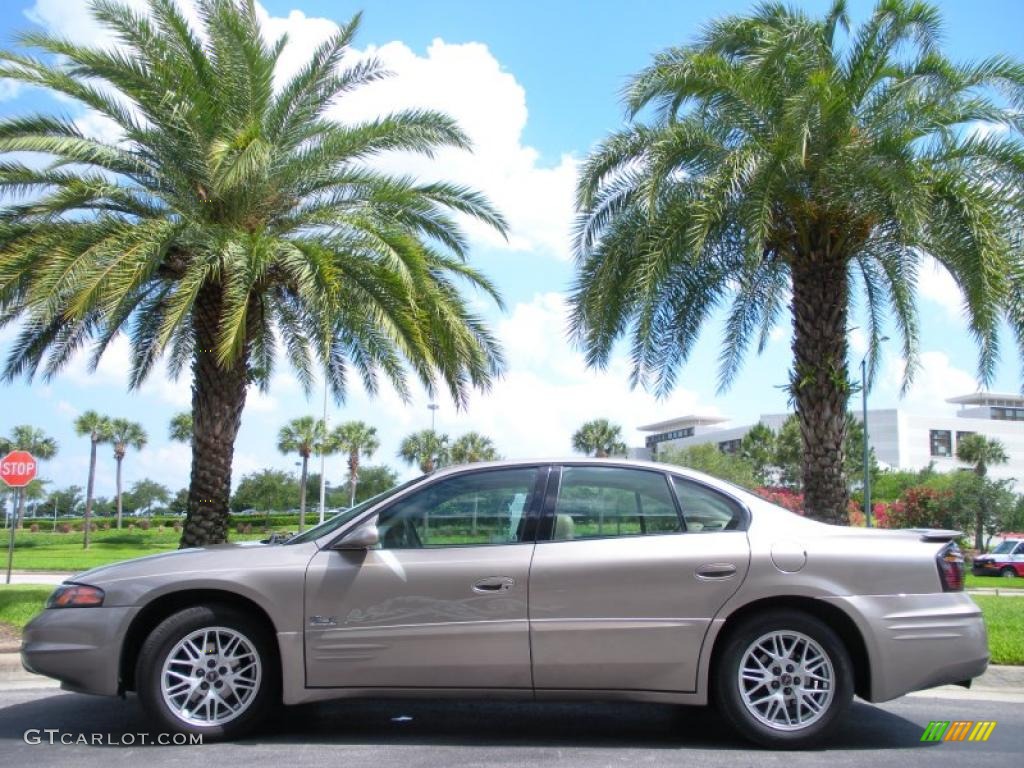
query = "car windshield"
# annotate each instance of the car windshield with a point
(334, 523)
(1005, 548)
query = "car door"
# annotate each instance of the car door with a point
(621, 594)
(443, 601)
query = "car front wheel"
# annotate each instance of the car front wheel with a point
(783, 679)
(1009, 573)
(208, 670)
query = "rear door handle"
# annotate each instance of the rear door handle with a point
(493, 584)
(716, 571)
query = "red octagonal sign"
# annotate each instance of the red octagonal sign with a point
(17, 468)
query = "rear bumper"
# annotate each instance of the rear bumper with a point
(80, 647)
(919, 641)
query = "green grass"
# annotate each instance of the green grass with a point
(20, 602)
(1004, 617)
(992, 582)
(46, 551)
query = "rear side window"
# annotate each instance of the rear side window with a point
(705, 510)
(598, 502)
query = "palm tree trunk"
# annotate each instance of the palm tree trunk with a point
(218, 397)
(119, 460)
(302, 494)
(88, 495)
(819, 383)
(353, 476)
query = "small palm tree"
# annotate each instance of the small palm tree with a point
(180, 430)
(600, 438)
(303, 435)
(124, 434)
(427, 449)
(28, 438)
(355, 439)
(97, 428)
(981, 452)
(473, 447)
(232, 224)
(778, 169)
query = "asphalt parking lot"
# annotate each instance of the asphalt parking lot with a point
(464, 733)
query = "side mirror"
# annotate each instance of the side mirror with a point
(364, 537)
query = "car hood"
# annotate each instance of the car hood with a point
(179, 561)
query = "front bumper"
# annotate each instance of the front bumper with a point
(80, 647)
(987, 569)
(919, 641)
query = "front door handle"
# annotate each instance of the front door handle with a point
(493, 584)
(716, 571)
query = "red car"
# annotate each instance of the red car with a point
(1005, 560)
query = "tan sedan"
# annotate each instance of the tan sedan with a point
(580, 579)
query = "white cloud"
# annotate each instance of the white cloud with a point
(936, 380)
(63, 406)
(112, 373)
(549, 391)
(936, 284)
(464, 80)
(9, 89)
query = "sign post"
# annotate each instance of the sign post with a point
(17, 469)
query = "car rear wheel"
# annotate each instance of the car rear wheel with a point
(208, 670)
(783, 679)
(1009, 573)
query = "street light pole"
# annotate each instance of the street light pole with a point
(433, 413)
(867, 450)
(323, 457)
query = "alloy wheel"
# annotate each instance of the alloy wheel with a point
(211, 676)
(786, 680)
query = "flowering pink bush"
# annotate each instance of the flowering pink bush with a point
(784, 497)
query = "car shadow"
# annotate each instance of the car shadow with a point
(453, 723)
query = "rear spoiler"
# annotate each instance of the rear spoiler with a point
(936, 534)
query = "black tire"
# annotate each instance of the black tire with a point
(726, 688)
(1008, 573)
(174, 629)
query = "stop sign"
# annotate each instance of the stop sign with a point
(17, 469)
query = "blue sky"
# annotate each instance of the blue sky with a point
(535, 84)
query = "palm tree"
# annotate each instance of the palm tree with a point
(426, 448)
(782, 168)
(982, 452)
(599, 437)
(97, 428)
(355, 439)
(233, 223)
(28, 438)
(303, 435)
(124, 434)
(180, 429)
(473, 447)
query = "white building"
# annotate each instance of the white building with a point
(901, 440)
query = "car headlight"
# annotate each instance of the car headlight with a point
(75, 596)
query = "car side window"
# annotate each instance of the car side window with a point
(478, 508)
(705, 510)
(1019, 550)
(597, 502)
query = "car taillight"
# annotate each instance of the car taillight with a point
(951, 568)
